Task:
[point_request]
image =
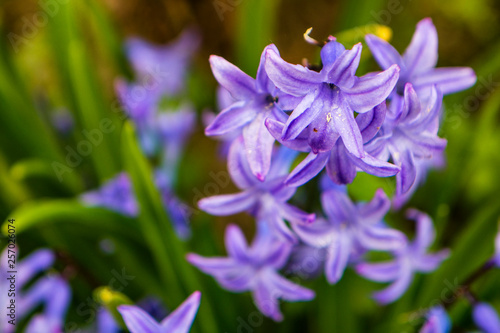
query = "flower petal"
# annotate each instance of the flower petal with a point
(138, 320)
(288, 290)
(422, 53)
(381, 238)
(307, 169)
(344, 69)
(264, 84)
(295, 80)
(318, 234)
(486, 318)
(303, 115)
(406, 177)
(236, 244)
(240, 85)
(337, 206)
(346, 126)
(340, 167)
(232, 118)
(369, 123)
(337, 257)
(380, 271)
(371, 90)
(396, 289)
(374, 166)
(300, 143)
(238, 167)
(228, 204)
(182, 318)
(374, 211)
(447, 79)
(258, 146)
(384, 53)
(266, 300)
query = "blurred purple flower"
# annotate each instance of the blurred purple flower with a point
(350, 229)
(116, 194)
(437, 321)
(407, 261)
(256, 100)
(409, 135)
(164, 67)
(329, 98)
(267, 200)
(496, 257)
(418, 64)
(255, 269)
(62, 120)
(341, 165)
(179, 321)
(486, 318)
(51, 291)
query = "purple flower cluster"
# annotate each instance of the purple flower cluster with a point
(50, 291)
(384, 123)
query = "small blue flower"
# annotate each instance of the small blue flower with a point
(486, 318)
(116, 194)
(255, 269)
(256, 100)
(437, 321)
(349, 230)
(179, 321)
(266, 200)
(418, 64)
(408, 260)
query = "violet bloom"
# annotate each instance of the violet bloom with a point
(409, 135)
(341, 165)
(255, 269)
(116, 194)
(163, 67)
(51, 291)
(486, 318)
(179, 321)
(496, 257)
(265, 200)
(437, 321)
(407, 261)
(418, 64)
(330, 97)
(255, 101)
(350, 230)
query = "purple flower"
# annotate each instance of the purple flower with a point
(329, 98)
(51, 291)
(254, 269)
(437, 321)
(116, 194)
(341, 165)
(408, 260)
(486, 318)
(265, 200)
(350, 230)
(255, 101)
(418, 64)
(164, 67)
(179, 321)
(409, 135)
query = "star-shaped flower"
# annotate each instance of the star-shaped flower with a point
(329, 98)
(418, 64)
(486, 318)
(437, 321)
(341, 165)
(407, 261)
(408, 135)
(116, 194)
(179, 321)
(255, 269)
(256, 100)
(266, 200)
(349, 230)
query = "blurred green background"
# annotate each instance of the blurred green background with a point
(69, 61)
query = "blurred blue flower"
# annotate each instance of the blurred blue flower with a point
(329, 98)
(418, 64)
(116, 194)
(486, 318)
(51, 291)
(409, 135)
(350, 229)
(267, 200)
(256, 100)
(437, 321)
(408, 260)
(255, 269)
(341, 165)
(163, 67)
(179, 321)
